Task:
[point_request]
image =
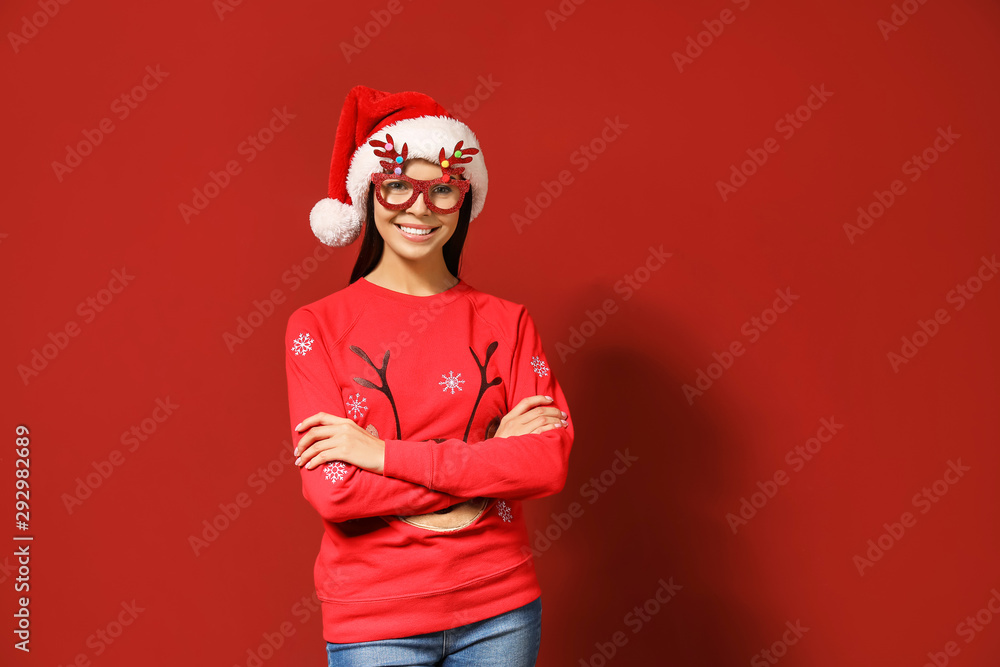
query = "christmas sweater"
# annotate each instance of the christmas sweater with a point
(437, 540)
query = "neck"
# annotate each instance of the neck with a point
(411, 280)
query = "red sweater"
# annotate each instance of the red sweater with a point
(432, 376)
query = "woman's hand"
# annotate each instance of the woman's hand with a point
(332, 438)
(524, 418)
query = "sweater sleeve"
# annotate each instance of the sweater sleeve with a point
(340, 491)
(520, 467)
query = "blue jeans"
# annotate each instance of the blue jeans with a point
(510, 639)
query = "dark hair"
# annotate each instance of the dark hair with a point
(372, 244)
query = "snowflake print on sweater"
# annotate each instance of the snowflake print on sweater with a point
(451, 381)
(503, 509)
(335, 470)
(539, 366)
(302, 344)
(355, 407)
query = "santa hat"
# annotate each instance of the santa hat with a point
(400, 126)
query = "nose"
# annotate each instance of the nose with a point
(419, 206)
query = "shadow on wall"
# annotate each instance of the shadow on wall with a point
(654, 574)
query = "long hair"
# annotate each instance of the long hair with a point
(372, 244)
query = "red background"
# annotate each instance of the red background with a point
(654, 184)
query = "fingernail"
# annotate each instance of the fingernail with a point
(549, 398)
(564, 422)
(298, 461)
(564, 415)
(299, 427)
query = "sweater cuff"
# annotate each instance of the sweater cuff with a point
(409, 461)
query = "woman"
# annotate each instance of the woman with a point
(424, 410)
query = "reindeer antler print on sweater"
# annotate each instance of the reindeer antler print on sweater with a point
(453, 517)
(385, 383)
(484, 385)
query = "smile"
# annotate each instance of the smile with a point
(413, 233)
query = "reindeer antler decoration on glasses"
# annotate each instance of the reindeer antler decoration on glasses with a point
(387, 149)
(396, 158)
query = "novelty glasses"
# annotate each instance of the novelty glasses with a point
(399, 191)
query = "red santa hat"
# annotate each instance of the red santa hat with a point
(401, 126)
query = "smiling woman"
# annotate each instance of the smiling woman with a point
(425, 410)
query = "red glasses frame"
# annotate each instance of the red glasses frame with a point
(420, 187)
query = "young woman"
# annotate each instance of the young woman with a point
(424, 410)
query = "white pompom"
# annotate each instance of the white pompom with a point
(334, 222)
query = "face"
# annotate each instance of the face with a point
(390, 222)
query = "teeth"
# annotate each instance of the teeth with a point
(418, 232)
